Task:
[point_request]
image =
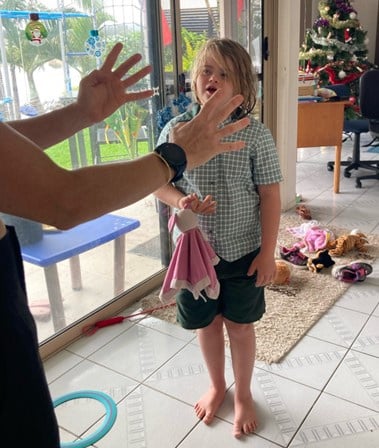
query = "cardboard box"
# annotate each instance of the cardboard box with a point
(307, 84)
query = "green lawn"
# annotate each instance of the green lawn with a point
(60, 153)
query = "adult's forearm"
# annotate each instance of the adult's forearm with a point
(63, 198)
(101, 189)
(53, 127)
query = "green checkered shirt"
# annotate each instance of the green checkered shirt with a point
(231, 179)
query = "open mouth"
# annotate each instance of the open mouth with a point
(211, 90)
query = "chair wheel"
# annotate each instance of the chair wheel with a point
(358, 184)
(347, 173)
(330, 166)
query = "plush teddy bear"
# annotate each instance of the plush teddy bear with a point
(321, 261)
(283, 273)
(346, 243)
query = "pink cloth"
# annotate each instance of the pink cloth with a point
(192, 263)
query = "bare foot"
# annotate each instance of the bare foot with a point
(208, 404)
(245, 418)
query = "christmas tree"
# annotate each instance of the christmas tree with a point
(335, 49)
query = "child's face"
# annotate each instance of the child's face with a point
(211, 78)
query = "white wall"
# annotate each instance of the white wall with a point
(286, 118)
(368, 16)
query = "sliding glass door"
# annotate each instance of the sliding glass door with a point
(112, 261)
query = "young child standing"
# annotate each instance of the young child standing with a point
(237, 198)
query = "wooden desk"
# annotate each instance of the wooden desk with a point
(321, 124)
(57, 246)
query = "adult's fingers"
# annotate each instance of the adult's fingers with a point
(136, 96)
(229, 146)
(125, 66)
(111, 58)
(202, 138)
(133, 79)
(231, 128)
(216, 109)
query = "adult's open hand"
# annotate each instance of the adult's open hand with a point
(104, 90)
(202, 138)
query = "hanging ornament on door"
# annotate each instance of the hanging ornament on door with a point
(35, 30)
(94, 45)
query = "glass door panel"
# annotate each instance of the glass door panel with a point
(199, 21)
(70, 275)
(185, 28)
(247, 29)
(61, 294)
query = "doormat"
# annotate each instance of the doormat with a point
(150, 248)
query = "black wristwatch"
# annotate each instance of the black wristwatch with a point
(175, 156)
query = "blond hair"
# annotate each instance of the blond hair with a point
(236, 61)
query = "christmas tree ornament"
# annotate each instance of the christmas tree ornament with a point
(94, 45)
(330, 55)
(347, 35)
(342, 74)
(35, 30)
(353, 15)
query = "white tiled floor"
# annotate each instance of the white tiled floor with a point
(324, 394)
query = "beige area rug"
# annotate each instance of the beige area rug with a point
(293, 309)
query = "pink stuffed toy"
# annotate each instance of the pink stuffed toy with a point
(317, 238)
(192, 263)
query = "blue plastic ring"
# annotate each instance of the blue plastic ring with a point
(110, 416)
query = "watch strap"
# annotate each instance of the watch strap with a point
(176, 161)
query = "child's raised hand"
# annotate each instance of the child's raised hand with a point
(205, 207)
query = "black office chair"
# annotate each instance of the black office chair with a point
(369, 104)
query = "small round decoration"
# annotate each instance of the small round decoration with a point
(341, 74)
(94, 46)
(35, 30)
(110, 416)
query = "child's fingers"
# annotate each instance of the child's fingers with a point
(207, 209)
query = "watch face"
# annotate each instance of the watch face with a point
(174, 153)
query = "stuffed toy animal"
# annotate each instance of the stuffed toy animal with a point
(321, 261)
(314, 236)
(317, 238)
(283, 273)
(192, 262)
(304, 212)
(346, 243)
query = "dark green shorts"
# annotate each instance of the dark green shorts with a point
(239, 300)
